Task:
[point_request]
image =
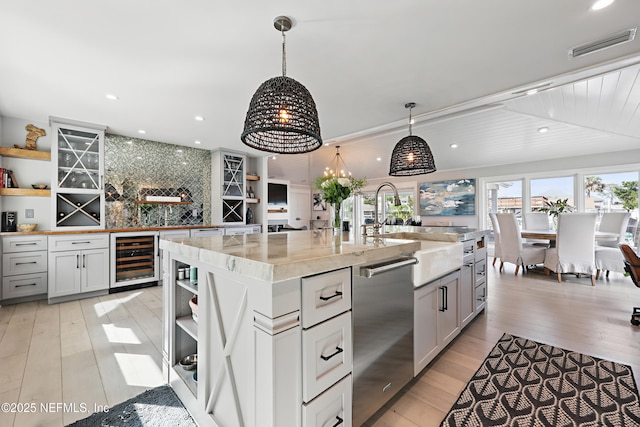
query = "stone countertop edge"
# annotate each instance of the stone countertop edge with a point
(253, 257)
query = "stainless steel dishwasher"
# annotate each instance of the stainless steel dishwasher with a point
(382, 333)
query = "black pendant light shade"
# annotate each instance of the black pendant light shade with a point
(411, 155)
(282, 118)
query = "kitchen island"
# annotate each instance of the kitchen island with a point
(273, 331)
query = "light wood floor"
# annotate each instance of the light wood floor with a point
(102, 351)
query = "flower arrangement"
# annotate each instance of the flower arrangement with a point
(554, 208)
(336, 189)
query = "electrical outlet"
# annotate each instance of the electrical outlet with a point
(28, 213)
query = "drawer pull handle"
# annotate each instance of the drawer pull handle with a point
(80, 243)
(337, 294)
(23, 263)
(340, 421)
(26, 244)
(338, 351)
(28, 284)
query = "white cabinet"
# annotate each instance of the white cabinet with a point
(24, 267)
(436, 320)
(249, 229)
(77, 185)
(201, 232)
(473, 287)
(78, 264)
(228, 177)
(467, 283)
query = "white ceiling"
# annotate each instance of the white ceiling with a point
(362, 60)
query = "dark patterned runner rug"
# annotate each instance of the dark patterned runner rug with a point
(526, 383)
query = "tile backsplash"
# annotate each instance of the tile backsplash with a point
(136, 168)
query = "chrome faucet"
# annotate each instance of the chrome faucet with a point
(396, 201)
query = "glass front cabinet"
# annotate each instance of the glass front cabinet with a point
(77, 153)
(229, 174)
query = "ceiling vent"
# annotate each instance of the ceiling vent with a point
(613, 40)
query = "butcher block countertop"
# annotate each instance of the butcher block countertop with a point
(110, 230)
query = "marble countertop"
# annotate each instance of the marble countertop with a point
(274, 257)
(443, 234)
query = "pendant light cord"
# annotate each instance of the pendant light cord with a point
(410, 120)
(284, 54)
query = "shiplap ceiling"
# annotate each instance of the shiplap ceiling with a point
(362, 60)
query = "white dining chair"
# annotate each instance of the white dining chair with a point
(496, 240)
(575, 243)
(608, 256)
(512, 249)
(536, 221)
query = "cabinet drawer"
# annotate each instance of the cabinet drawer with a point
(24, 285)
(468, 251)
(200, 232)
(24, 263)
(325, 295)
(481, 271)
(331, 408)
(24, 243)
(78, 241)
(327, 355)
(480, 295)
(481, 248)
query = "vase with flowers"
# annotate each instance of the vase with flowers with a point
(334, 191)
(554, 208)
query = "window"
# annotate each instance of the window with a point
(614, 192)
(387, 211)
(550, 190)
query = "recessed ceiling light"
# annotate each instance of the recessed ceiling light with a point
(379, 159)
(543, 129)
(199, 118)
(273, 157)
(453, 145)
(601, 4)
(111, 96)
(197, 142)
(142, 131)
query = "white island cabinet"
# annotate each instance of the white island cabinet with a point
(273, 331)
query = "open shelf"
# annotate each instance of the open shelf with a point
(253, 178)
(24, 192)
(188, 285)
(253, 200)
(187, 324)
(21, 153)
(187, 377)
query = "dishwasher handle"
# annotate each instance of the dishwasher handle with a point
(372, 270)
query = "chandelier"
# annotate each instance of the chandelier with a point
(337, 167)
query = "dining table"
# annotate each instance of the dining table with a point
(551, 235)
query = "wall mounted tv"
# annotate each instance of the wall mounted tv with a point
(277, 194)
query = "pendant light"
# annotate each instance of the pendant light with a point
(282, 116)
(411, 155)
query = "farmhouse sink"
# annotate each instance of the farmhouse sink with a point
(435, 258)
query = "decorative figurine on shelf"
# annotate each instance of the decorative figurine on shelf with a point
(33, 133)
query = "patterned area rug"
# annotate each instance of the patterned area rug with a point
(156, 407)
(525, 383)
